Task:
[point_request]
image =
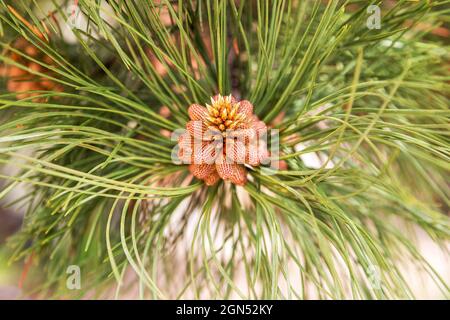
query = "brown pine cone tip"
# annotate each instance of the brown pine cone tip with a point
(221, 139)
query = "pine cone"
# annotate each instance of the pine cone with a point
(221, 139)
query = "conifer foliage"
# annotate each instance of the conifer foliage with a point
(354, 94)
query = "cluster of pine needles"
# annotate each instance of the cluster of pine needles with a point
(104, 83)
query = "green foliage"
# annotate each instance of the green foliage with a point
(104, 194)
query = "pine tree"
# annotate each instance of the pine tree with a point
(360, 86)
